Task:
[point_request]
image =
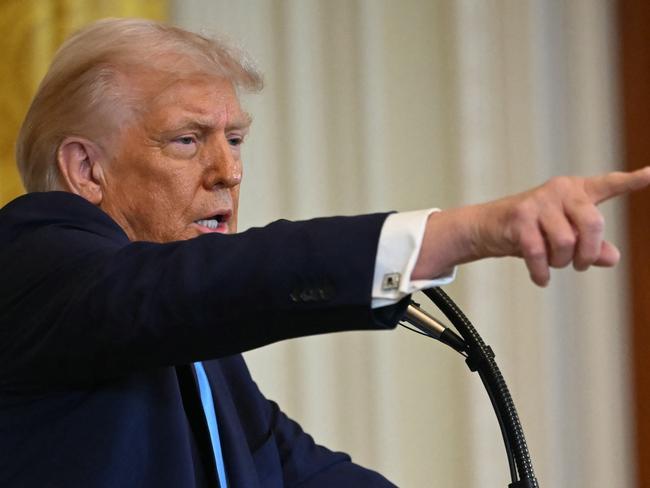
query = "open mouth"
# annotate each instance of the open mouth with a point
(216, 223)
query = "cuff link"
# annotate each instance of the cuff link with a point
(391, 281)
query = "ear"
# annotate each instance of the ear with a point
(79, 162)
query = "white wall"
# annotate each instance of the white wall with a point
(377, 104)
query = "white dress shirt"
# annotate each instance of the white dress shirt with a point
(400, 241)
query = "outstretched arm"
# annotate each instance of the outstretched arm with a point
(553, 225)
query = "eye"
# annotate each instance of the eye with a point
(185, 146)
(235, 140)
(186, 140)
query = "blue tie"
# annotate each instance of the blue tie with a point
(211, 417)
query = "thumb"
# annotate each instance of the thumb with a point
(609, 255)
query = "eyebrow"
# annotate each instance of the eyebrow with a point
(242, 122)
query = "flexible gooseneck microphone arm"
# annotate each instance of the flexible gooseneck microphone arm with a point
(480, 358)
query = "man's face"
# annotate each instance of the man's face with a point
(177, 168)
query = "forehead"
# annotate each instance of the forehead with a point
(206, 99)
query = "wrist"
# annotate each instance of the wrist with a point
(450, 238)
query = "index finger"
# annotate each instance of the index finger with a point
(604, 187)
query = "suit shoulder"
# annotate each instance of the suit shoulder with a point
(34, 212)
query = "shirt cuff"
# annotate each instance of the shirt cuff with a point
(399, 245)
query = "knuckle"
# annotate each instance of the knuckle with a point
(533, 251)
(560, 183)
(523, 211)
(565, 242)
(595, 224)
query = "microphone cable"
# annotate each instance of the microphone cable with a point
(479, 358)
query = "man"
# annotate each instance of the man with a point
(126, 296)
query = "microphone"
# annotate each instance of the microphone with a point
(430, 326)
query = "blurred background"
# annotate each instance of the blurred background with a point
(374, 105)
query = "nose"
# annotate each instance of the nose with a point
(224, 167)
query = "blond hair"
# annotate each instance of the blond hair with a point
(87, 83)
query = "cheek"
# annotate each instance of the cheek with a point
(150, 207)
(234, 192)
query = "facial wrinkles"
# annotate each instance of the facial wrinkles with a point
(162, 195)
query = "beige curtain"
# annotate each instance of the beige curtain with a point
(379, 104)
(382, 104)
(31, 32)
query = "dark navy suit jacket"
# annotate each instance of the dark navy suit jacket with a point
(96, 334)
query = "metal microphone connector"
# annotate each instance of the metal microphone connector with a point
(430, 326)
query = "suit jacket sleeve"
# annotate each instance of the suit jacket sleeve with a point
(79, 302)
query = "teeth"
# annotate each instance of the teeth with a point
(209, 223)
